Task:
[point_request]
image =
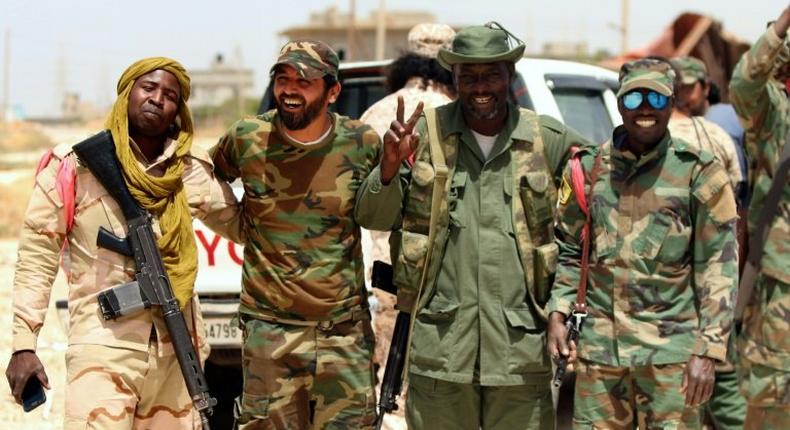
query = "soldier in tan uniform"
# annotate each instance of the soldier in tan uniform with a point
(122, 373)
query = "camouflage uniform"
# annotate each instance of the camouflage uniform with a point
(709, 137)
(700, 132)
(307, 338)
(727, 406)
(762, 105)
(121, 373)
(663, 267)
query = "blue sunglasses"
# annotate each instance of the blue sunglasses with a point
(634, 99)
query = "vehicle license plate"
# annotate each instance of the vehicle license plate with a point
(220, 332)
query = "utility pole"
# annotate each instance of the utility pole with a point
(381, 30)
(6, 76)
(624, 28)
(350, 32)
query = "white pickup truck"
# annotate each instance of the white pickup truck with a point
(580, 95)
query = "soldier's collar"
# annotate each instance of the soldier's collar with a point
(327, 137)
(618, 143)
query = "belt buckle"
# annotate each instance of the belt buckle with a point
(325, 326)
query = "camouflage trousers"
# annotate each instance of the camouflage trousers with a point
(298, 377)
(118, 388)
(626, 397)
(435, 404)
(767, 392)
(727, 406)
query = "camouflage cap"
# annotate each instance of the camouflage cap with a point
(647, 73)
(426, 39)
(312, 59)
(691, 69)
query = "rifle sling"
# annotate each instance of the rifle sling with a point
(581, 293)
(441, 171)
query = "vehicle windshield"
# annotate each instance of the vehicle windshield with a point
(585, 111)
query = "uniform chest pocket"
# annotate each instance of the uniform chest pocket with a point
(420, 190)
(605, 237)
(533, 190)
(95, 208)
(457, 189)
(666, 238)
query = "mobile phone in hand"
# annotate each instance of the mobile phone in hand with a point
(33, 395)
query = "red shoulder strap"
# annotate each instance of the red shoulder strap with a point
(577, 183)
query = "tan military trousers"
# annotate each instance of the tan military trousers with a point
(117, 388)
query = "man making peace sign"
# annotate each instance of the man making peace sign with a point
(485, 236)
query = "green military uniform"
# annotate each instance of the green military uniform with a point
(662, 274)
(477, 356)
(308, 344)
(762, 105)
(480, 328)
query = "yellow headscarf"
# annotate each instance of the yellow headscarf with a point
(164, 196)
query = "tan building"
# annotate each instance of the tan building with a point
(223, 80)
(358, 42)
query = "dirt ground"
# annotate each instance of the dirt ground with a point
(51, 350)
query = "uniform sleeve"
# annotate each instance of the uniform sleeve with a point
(225, 155)
(379, 206)
(557, 141)
(567, 233)
(715, 253)
(211, 200)
(40, 242)
(750, 94)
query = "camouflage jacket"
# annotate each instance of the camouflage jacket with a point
(493, 255)
(302, 256)
(708, 136)
(90, 269)
(663, 260)
(763, 108)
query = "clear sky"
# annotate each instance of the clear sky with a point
(84, 45)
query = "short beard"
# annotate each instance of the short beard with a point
(474, 113)
(300, 120)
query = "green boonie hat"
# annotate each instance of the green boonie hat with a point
(691, 69)
(312, 59)
(647, 73)
(482, 44)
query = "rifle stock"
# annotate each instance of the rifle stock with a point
(97, 153)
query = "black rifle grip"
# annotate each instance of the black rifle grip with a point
(97, 153)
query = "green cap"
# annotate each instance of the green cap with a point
(690, 69)
(312, 59)
(482, 44)
(647, 73)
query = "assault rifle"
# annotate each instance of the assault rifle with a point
(392, 383)
(151, 286)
